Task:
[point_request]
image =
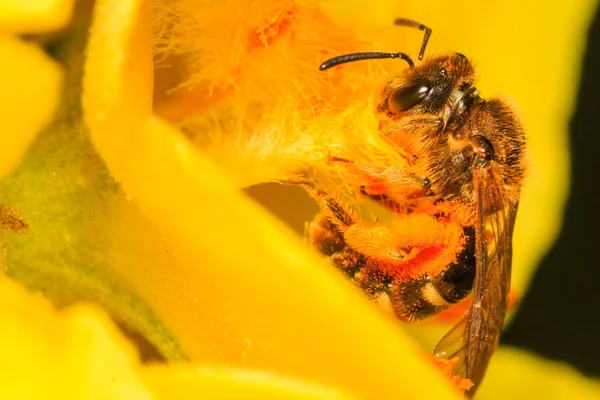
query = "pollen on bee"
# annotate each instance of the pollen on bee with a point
(448, 66)
(446, 366)
(433, 244)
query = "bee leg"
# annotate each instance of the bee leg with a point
(324, 236)
(399, 182)
(410, 299)
(402, 208)
(400, 130)
(328, 239)
(331, 208)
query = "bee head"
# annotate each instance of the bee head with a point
(429, 86)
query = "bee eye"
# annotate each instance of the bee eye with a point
(406, 97)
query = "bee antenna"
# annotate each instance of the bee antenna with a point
(414, 24)
(346, 58)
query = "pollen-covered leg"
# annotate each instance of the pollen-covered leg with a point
(413, 297)
(364, 272)
(422, 263)
(399, 182)
(410, 132)
(410, 298)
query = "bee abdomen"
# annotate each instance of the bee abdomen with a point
(421, 298)
(416, 299)
(456, 282)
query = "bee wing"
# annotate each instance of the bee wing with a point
(454, 344)
(476, 336)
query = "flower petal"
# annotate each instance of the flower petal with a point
(72, 354)
(185, 382)
(516, 374)
(30, 84)
(34, 16)
(79, 353)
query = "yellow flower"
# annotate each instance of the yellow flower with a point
(25, 73)
(156, 231)
(78, 353)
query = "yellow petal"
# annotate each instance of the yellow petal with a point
(244, 290)
(72, 354)
(184, 382)
(78, 353)
(34, 16)
(515, 374)
(30, 84)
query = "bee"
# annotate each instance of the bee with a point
(451, 235)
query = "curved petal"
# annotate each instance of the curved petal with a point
(30, 80)
(185, 382)
(72, 354)
(78, 353)
(30, 84)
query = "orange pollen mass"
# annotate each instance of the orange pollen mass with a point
(412, 246)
